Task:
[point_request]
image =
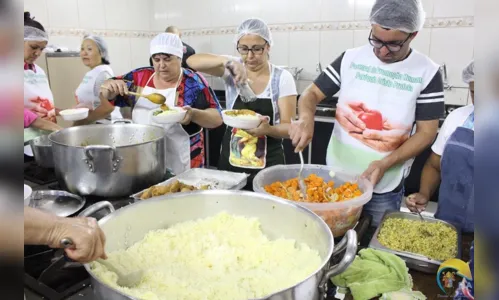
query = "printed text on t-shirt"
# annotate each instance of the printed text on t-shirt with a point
(378, 75)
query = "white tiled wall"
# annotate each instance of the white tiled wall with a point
(306, 32)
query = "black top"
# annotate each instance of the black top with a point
(188, 51)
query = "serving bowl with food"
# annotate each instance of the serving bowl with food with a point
(168, 115)
(423, 245)
(337, 199)
(74, 114)
(220, 245)
(241, 118)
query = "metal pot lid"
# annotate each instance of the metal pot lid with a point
(60, 203)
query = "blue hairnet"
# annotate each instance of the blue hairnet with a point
(254, 26)
(404, 15)
(101, 44)
(469, 73)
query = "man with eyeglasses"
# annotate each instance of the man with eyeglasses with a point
(390, 99)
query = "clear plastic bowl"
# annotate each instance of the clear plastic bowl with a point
(339, 216)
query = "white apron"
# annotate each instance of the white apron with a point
(37, 94)
(85, 96)
(178, 146)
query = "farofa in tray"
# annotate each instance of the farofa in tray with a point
(434, 240)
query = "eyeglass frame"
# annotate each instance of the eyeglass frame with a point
(252, 49)
(387, 45)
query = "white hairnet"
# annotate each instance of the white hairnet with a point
(404, 15)
(101, 44)
(469, 73)
(167, 43)
(35, 34)
(254, 26)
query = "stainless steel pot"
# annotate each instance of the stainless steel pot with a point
(109, 160)
(279, 218)
(42, 151)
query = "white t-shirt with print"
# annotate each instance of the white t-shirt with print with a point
(451, 123)
(389, 99)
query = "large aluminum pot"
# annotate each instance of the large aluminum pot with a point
(279, 218)
(42, 151)
(109, 160)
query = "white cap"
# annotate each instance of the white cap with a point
(254, 26)
(404, 15)
(101, 44)
(35, 34)
(469, 73)
(167, 43)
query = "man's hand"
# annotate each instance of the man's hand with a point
(347, 115)
(263, 129)
(416, 202)
(301, 133)
(375, 171)
(88, 239)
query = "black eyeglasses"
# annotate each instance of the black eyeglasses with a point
(392, 47)
(257, 49)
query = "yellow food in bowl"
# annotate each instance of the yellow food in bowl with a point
(244, 114)
(220, 257)
(165, 112)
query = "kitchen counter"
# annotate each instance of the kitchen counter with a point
(427, 283)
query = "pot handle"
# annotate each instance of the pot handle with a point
(348, 243)
(97, 207)
(124, 121)
(90, 156)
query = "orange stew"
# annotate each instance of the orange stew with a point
(318, 190)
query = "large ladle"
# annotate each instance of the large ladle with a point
(154, 97)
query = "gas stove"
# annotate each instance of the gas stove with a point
(47, 273)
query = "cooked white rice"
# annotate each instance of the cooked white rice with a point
(221, 257)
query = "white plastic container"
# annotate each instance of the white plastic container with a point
(339, 216)
(174, 117)
(74, 114)
(243, 122)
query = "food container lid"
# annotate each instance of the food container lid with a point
(60, 203)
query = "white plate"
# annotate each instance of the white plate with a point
(170, 118)
(241, 123)
(74, 114)
(27, 194)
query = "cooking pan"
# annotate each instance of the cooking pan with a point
(60, 203)
(278, 218)
(42, 151)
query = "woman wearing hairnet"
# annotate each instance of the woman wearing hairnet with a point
(38, 97)
(385, 88)
(181, 87)
(452, 166)
(252, 150)
(95, 55)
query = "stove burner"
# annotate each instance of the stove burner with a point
(37, 174)
(47, 273)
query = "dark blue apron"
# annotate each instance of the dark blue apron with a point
(456, 198)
